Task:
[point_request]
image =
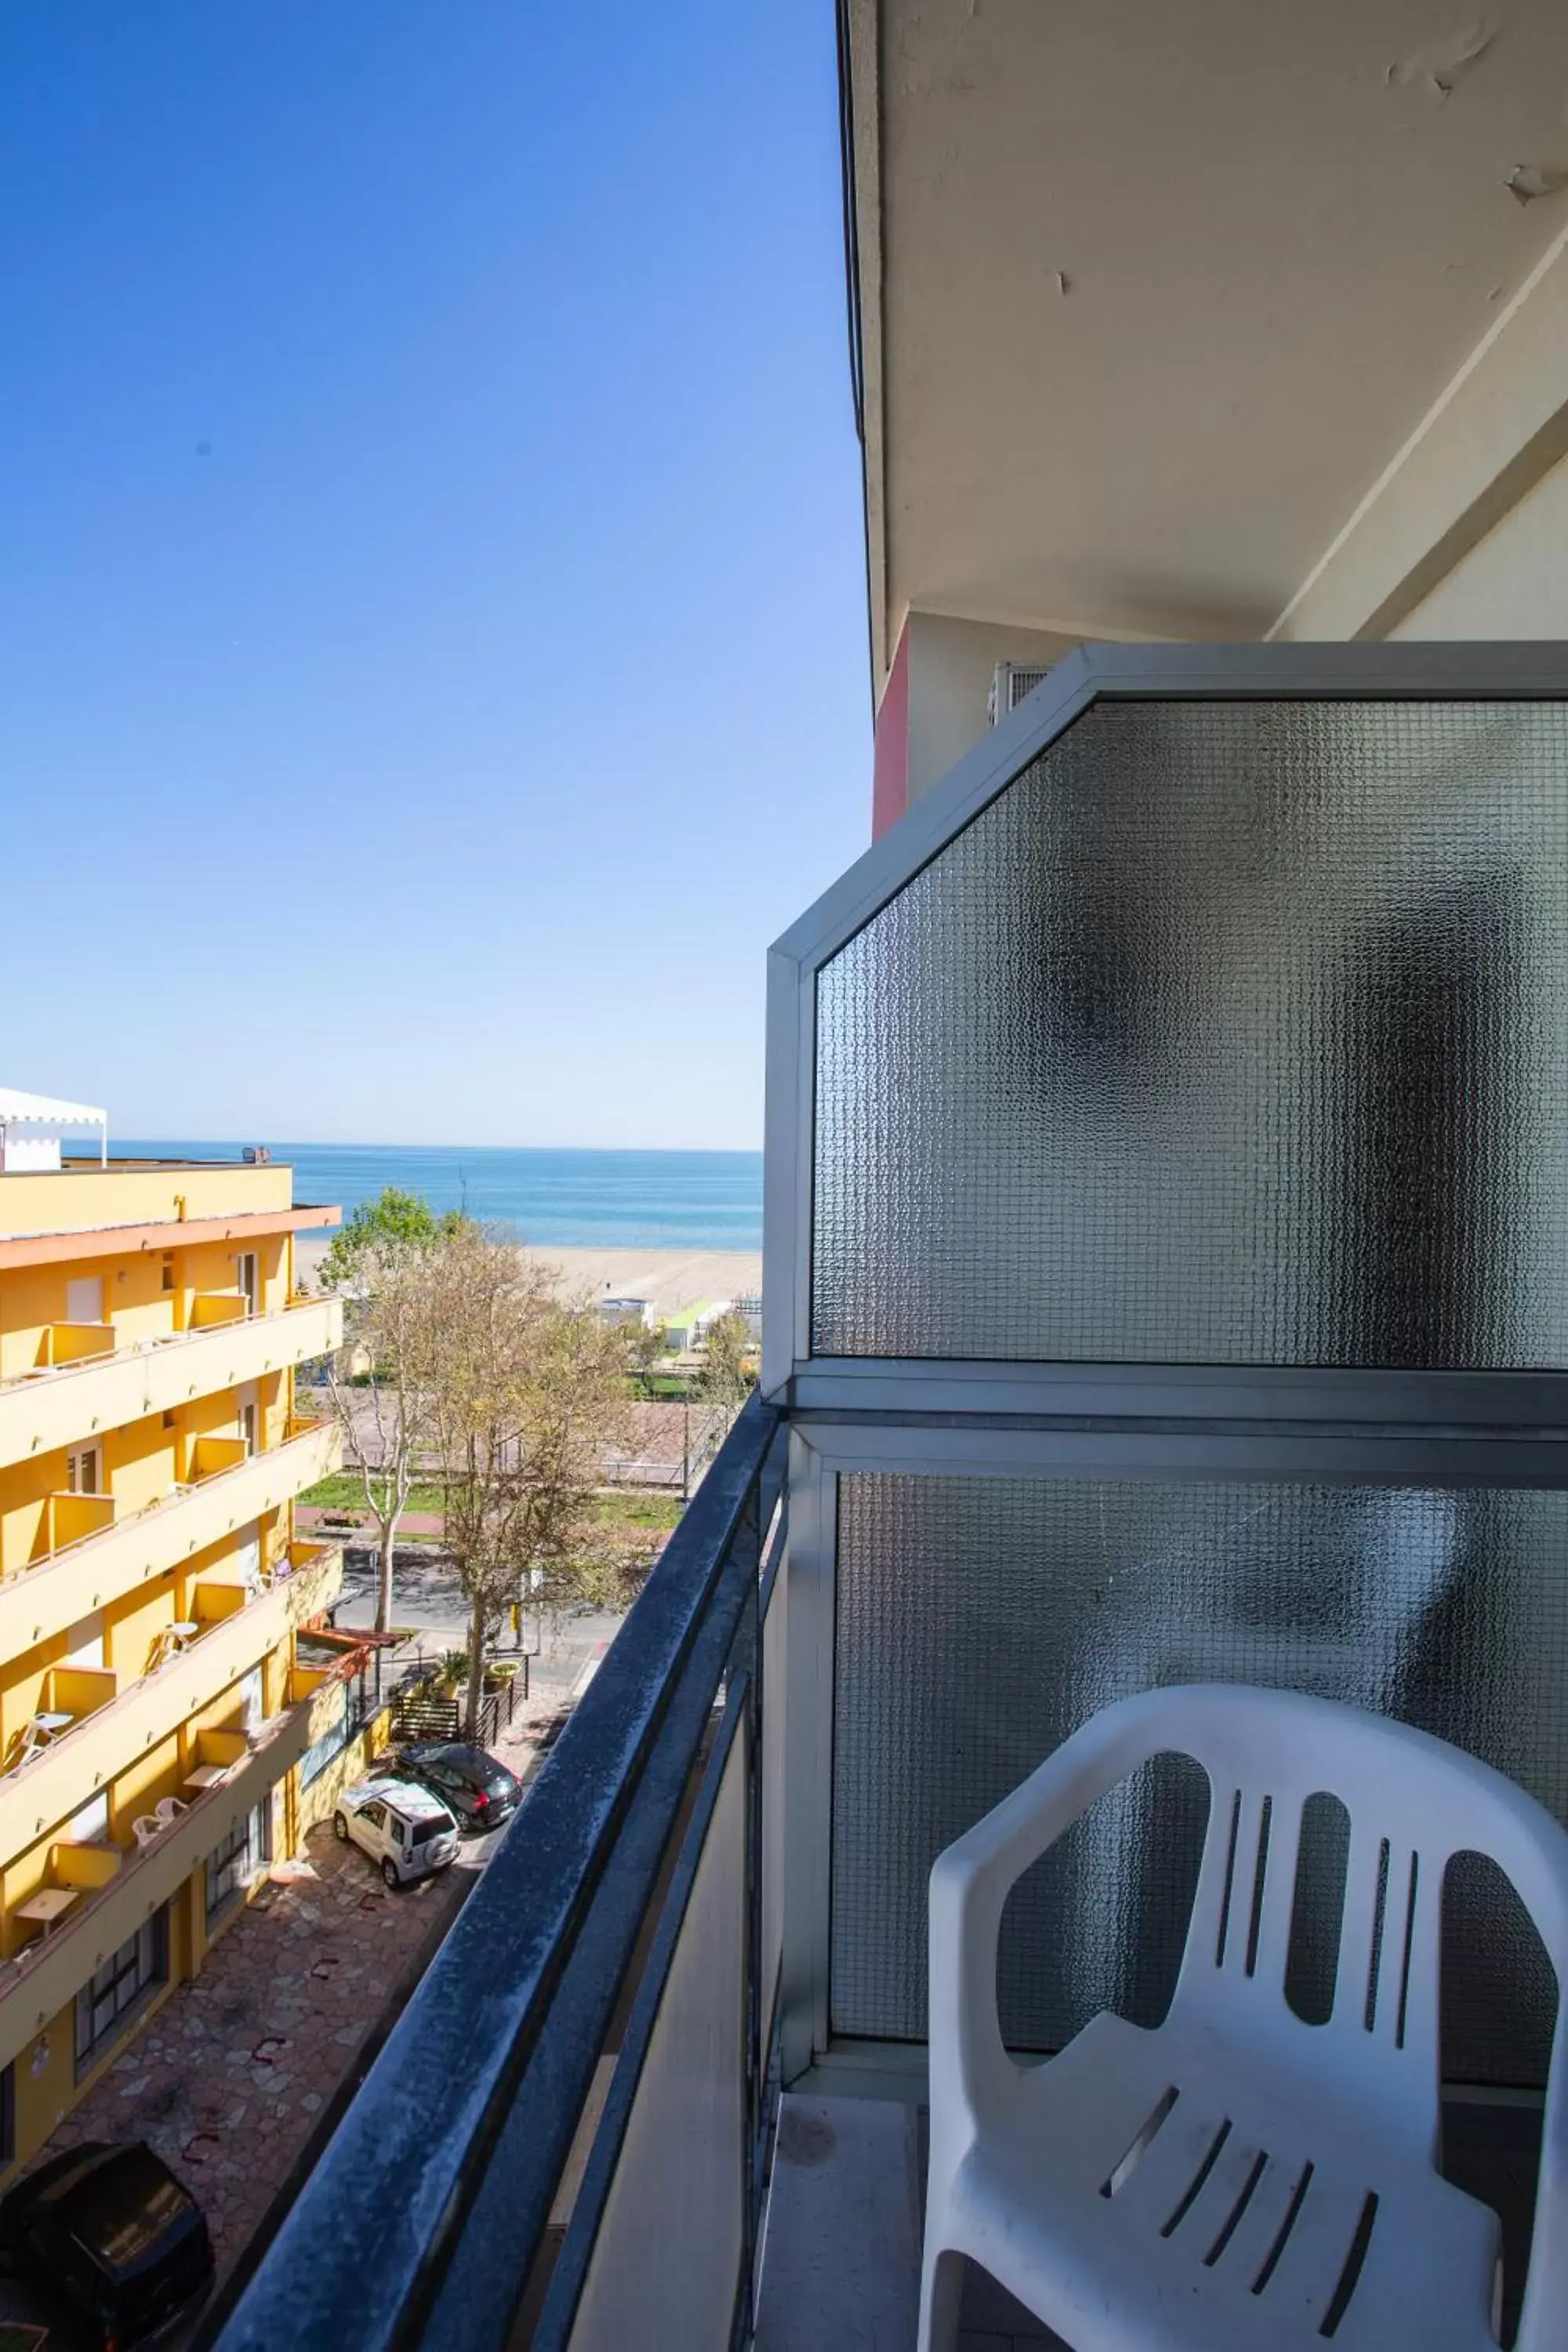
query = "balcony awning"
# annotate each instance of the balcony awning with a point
(36, 1121)
(17, 1110)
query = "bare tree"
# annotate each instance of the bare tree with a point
(381, 1260)
(523, 1391)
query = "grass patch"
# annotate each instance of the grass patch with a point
(640, 1510)
(343, 1492)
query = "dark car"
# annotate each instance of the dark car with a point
(110, 2233)
(479, 1790)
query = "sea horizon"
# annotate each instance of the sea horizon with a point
(551, 1195)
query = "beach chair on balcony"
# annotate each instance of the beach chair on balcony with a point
(1237, 2177)
(165, 1814)
(34, 1735)
(171, 1642)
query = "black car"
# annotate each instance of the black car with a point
(110, 2233)
(481, 1791)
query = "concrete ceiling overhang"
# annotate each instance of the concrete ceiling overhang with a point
(1151, 291)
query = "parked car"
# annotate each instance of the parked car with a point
(477, 1786)
(400, 1825)
(108, 2231)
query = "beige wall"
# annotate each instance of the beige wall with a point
(1514, 583)
(1460, 536)
(952, 665)
(1463, 534)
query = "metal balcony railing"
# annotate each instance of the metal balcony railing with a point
(553, 2037)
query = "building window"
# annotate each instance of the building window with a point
(248, 1845)
(84, 1470)
(121, 1985)
(331, 1742)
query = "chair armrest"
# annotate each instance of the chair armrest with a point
(971, 1880)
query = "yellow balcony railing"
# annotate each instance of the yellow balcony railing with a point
(85, 1866)
(62, 1405)
(68, 1519)
(100, 1565)
(83, 1757)
(210, 1307)
(74, 1343)
(210, 1456)
(135, 1881)
(67, 1695)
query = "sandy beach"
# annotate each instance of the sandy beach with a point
(667, 1278)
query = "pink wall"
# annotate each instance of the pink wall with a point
(890, 760)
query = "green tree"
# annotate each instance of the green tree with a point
(646, 1346)
(395, 1224)
(727, 1375)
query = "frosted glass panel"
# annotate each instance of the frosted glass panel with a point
(980, 1620)
(1231, 1033)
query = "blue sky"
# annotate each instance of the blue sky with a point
(431, 582)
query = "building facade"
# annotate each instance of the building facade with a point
(153, 1711)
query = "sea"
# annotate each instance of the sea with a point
(552, 1199)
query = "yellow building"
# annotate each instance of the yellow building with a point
(153, 1711)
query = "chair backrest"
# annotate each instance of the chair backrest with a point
(1412, 1803)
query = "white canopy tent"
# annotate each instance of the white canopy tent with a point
(31, 1127)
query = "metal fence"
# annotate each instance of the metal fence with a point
(419, 1712)
(621, 1950)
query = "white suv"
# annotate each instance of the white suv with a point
(405, 1829)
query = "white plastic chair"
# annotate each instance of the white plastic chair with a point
(1236, 2178)
(146, 1827)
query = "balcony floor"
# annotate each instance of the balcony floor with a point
(841, 2255)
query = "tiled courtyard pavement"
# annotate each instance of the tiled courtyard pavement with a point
(226, 2082)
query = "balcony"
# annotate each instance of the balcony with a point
(95, 1557)
(120, 1888)
(56, 1407)
(74, 1343)
(211, 1307)
(70, 1519)
(112, 1727)
(1101, 1351)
